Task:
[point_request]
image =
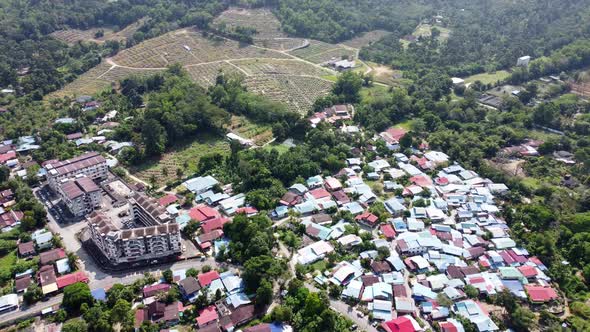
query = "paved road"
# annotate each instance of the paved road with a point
(347, 311)
(27, 312)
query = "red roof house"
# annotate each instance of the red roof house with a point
(421, 180)
(72, 278)
(367, 218)
(207, 316)
(205, 279)
(247, 210)
(203, 212)
(167, 200)
(540, 294)
(528, 271)
(400, 324)
(7, 156)
(320, 193)
(388, 231)
(213, 224)
(150, 291)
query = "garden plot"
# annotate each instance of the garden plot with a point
(188, 48)
(279, 67)
(320, 52)
(297, 92)
(366, 39)
(205, 74)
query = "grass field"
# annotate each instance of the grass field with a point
(320, 52)
(7, 262)
(280, 147)
(185, 152)
(487, 78)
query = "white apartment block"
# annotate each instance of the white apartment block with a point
(158, 238)
(81, 195)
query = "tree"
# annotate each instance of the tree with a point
(471, 291)
(444, 300)
(264, 293)
(75, 325)
(348, 86)
(33, 294)
(4, 173)
(281, 313)
(154, 137)
(168, 276)
(120, 312)
(523, 319)
(192, 272)
(74, 296)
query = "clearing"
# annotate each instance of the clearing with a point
(488, 78)
(366, 39)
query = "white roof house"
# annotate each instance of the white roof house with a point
(314, 252)
(200, 184)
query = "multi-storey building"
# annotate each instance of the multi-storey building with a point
(91, 164)
(81, 195)
(158, 237)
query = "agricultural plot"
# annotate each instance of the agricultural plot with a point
(205, 74)
(188, 48)
(366, 39)
(279, 67)
(320, 52)
(297, 92)
(87, 84)
(183, 154)
(72, 36)
(260, 134)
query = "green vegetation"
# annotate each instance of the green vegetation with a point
(488, 78)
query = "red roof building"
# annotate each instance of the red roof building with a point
(367, 218)
(167, 200)
(213, 224)
(247, 210)
(528, 271)
(320, 193)
(203, 212)
(205, 279)
(540, 294)
(448, 327)
(400, 324)
(150, 291)
(388, 231)
(421, 180)
(7, 156)
(207, 316)
(72, 278)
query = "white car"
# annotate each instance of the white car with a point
(183, 248)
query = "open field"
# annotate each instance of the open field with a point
(366, 39)
(487, 78)
(425, 30)
(297, 92)
(175, 158)
(72, 36)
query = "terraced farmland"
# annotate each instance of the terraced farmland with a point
(320, 52)
(72, 36)
(279, 67)
(188, 47)
(297, 92)
(263, 20)
(205, 74)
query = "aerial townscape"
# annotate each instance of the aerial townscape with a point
(289, 165)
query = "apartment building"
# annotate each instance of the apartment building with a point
(81, 195)
(158, 237)
(90, 164)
